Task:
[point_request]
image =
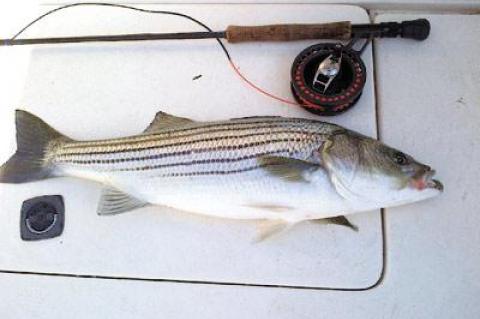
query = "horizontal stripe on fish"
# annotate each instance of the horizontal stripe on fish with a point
(198, 130)
(132, 143)
(215, 161)
(125, 147)
(214, 172)
(213, 153)
(232, 141)
(192, 130)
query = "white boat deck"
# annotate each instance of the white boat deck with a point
(419, 261)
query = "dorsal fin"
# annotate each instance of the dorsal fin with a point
(164, 120)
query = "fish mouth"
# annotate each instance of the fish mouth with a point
(426, 180)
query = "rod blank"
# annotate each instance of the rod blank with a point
(117, 38)
(416, 29)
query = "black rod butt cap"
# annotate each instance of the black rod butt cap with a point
(418, 29)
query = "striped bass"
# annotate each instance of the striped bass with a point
(285, 170)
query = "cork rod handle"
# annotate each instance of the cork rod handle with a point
(289, 32)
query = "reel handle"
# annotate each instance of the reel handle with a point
(288, 32)
(418, 29)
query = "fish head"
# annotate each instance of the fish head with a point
(362, 168)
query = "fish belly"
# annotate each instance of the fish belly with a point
(251, 195)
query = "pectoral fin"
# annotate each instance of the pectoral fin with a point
(113, 201)
(292, 170)
(164, 120)
(338, 220)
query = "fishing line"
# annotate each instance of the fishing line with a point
(231, 63)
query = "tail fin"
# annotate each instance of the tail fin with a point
(28, 163)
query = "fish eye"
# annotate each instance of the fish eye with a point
(400, 158)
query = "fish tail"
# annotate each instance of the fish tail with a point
(30, 161)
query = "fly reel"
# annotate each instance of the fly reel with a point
(328, 78)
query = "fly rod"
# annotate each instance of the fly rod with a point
(414, 29)
(326, 78)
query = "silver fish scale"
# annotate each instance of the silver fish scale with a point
(199, 148)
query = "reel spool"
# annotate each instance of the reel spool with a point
(328, 78)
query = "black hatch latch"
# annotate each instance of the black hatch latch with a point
(42, 217)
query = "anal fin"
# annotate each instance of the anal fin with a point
(338, 220)
(113, 201)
